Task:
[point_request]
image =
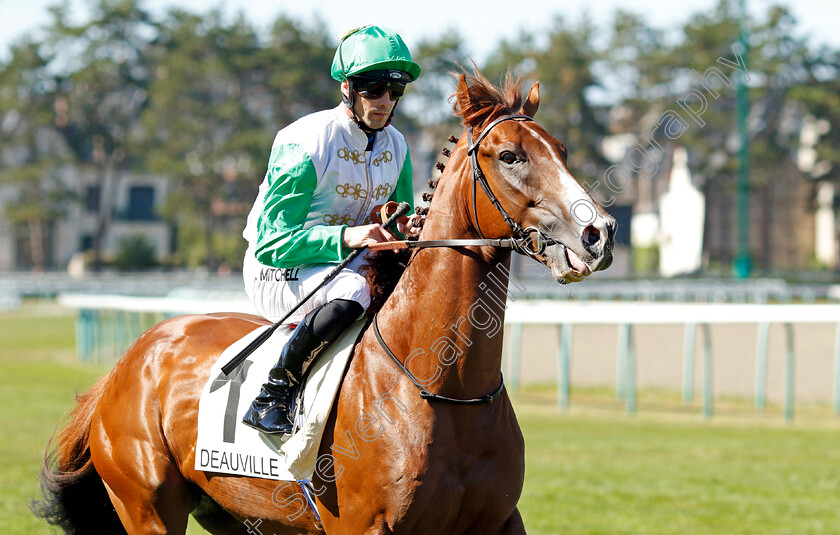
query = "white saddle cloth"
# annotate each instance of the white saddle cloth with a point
(226, 445)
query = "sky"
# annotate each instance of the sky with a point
(482, 27)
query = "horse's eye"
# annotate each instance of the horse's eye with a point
(508, 157)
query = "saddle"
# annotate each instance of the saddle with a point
(225, 445)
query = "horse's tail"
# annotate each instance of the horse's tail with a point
(75, 498)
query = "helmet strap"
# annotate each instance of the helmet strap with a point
(349, 100)
(390, 117)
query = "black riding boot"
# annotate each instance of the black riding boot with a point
(270, 412)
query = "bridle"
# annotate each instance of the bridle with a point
(529, 241)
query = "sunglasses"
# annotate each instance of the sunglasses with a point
(374, 89)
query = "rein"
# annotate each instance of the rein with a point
(532, 246)
(425, 394)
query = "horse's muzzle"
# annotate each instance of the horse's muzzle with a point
(598, 239)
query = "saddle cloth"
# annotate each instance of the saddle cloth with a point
(226, 445)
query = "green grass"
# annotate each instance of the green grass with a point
(592, 471)
(602, 472)
(38, 381)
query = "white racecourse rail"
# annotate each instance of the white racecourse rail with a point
(562, 314)
(566, 314)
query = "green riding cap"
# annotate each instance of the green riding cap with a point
(372, 48)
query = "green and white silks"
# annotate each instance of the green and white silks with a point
(319, 181)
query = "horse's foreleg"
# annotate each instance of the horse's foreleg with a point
(514, 524)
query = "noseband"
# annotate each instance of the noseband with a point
(531, 241)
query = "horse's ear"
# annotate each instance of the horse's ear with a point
(532, 102)
(463, 93)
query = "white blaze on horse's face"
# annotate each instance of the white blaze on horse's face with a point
(533, 165)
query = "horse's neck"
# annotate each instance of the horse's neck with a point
(448, 308)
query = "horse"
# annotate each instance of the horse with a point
(422, 437)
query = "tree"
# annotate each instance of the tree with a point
(218, 97)
(31, 155)
(426, 104)
(102, 74)
(564, 68)
(775, 65)
(639, 61)
(425, 113)
(198, 130)
(820, 97)
(295, 66)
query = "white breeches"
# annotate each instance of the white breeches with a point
(275, 291)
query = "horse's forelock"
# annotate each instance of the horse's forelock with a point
(479, 101)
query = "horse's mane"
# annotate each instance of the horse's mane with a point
(382, 272)
(476, 102)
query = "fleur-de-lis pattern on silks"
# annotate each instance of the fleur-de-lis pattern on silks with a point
(385, 157)
(351, 155)
(383, 190)
(357, 192)
(339, 219)
(351, 190)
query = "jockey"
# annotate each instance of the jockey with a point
(325, 174)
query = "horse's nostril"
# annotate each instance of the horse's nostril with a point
(591, 236)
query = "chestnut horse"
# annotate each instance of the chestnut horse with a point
(396, 457)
